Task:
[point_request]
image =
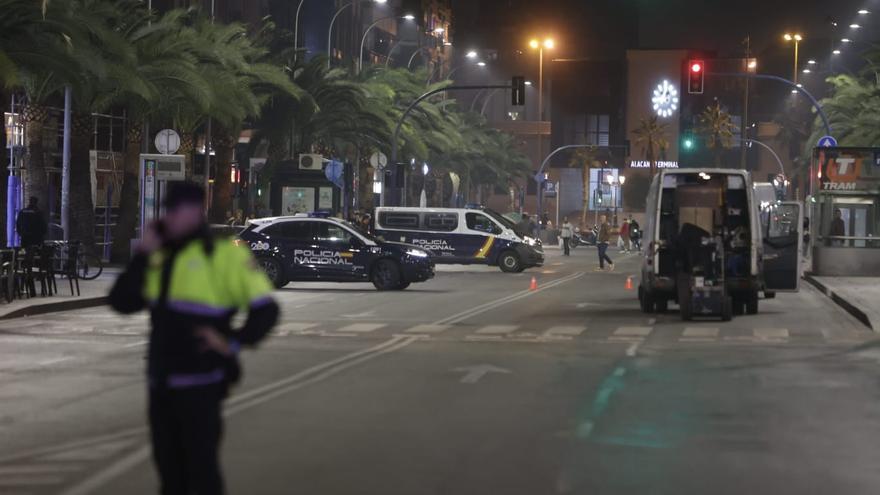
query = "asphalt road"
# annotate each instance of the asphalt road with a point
(471, 384)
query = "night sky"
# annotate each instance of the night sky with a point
(603, 29)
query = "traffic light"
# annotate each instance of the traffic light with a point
(696, 72)
(688, 143)
(518, 93)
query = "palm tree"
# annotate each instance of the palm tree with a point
(651, 133)
(584, 158)
(718, 129)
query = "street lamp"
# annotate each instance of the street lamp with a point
(471, 54)
(797, 38)
(536, 44)
(413, 57)
(360, 64)
(333, 21)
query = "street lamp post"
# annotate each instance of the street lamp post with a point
(797, 38)
(333, 21)
(360, 63)
(535, 44)
(296, 30)
(413, 57)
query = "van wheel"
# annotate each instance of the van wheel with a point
(752, 303)
(385, 275)
(402, 285)
(727, 309)
(509, 262)
(273, 269)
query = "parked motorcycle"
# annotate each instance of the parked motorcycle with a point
(579, 238)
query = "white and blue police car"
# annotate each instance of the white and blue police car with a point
(310, 247)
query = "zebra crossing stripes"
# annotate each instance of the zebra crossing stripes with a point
(563, 332)
(633, 331)
(361, 327)
(428, 329)
(771, 333)
(700, 334)
(497, 329)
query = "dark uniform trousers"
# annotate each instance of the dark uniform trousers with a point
(186, 428)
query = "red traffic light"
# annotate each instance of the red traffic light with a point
(695, 77)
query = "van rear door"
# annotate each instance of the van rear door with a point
(782, 247)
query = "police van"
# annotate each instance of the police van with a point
(461, 236)
(315, 248)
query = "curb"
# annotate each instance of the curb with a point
(843, 303)
(42, 309)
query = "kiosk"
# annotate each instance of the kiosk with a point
(155, 173)
(844, 207)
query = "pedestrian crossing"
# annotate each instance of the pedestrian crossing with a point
(665, 332)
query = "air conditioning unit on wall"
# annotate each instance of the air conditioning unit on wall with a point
(311, 162)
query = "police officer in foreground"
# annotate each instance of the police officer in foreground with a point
(193, 284)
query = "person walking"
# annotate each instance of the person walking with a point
(193, 285)
(838, 229)
(31, 224)
(565, 232)
(624, 235)
(602, 244)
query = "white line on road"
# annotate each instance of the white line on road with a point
(464, 315)
(497, 329)
(50, 362)
(361, 327)
(633, 331)
(633, 349)
(771, 333)
(564, 331)
(428, 328)
(250, 399)
(136, 344)
(700, 333)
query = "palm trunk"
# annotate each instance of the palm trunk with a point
(35, 182)
(221, 197)
(82, 209)
(129, 196)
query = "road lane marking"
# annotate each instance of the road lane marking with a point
(26, 469)
(286, 329)
(136, 344)
(361, 328)
(50, 362)
(632, 350)
(564, 331)
(497, 329)
(482, 308)
(23, 481)
(700, 333)
(248, 400)
(633, 331)
(771, 333)
(427, 328)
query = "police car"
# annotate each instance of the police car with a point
(314, 248)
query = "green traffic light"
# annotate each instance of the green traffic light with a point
(688, 144)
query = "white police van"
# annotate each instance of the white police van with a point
(460, 236)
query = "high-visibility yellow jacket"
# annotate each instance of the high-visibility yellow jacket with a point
(200, 281)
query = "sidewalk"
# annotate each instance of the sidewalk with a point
(857, 295)
(92, 293)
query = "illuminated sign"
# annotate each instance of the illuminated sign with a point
(665, 99)
(647, 164)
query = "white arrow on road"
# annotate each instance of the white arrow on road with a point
(472, 374)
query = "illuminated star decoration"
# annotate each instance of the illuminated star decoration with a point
(665, 99)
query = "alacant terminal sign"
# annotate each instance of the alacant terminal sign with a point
(647, 164)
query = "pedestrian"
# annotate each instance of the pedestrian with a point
(624, 235)
(602, 244)
(31, 224)
(366, 223)
(193, 285)
(838, 229)
(545, 221)
(806, 243)
(566, 232)
(524, 227)
(635, 233)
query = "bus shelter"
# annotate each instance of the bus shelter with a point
(844, 207)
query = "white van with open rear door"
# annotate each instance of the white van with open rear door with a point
(711, 218)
